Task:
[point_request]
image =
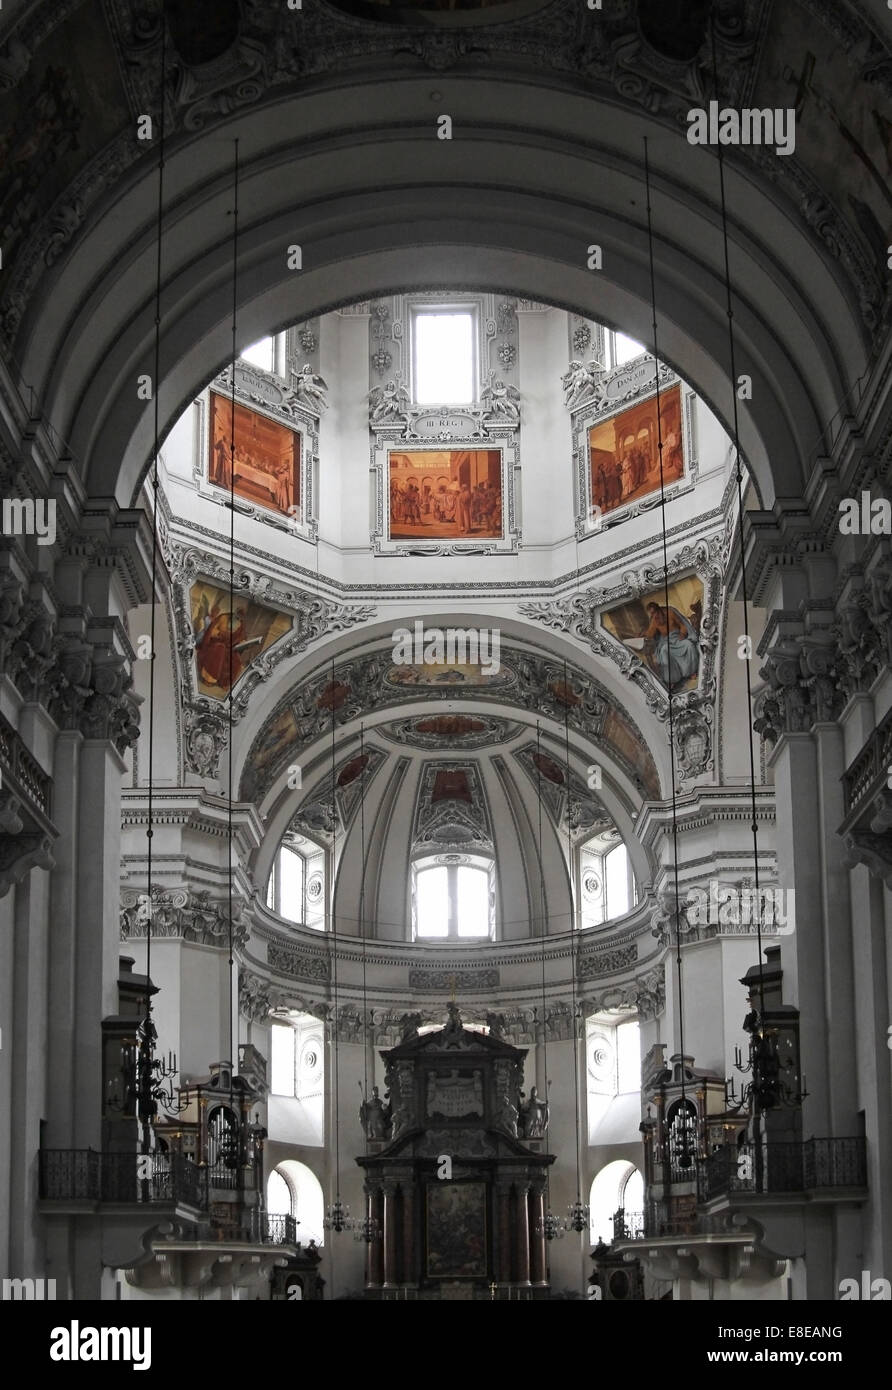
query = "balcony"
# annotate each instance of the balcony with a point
(86, 1175)
(26, 828)
(867, 822)
(80, 1177)
(815, 1165)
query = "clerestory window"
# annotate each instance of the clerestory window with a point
(453, 897)
(444, 354)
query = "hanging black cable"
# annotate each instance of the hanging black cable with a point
(231, 635)
(685, 1156)
(149, 1080)
(738, 465)
(551, 1225)
(148, 1038)
(579, 1212)
(338, 1215)
(365, 1053)
(367, 1228)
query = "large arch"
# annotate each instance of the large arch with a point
(533, 176)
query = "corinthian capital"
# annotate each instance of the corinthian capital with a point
(803, 685)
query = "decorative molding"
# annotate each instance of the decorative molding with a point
(805, 685)
(530, 679)
(443, 981)
(646, 994)
(293, 406)
(603, 395)
(600, 962)
(256, 997)
(451, 822)
(583, 810)
(606, 51)
(580, 617)
(205, 720)
(314, 816)
(449, 732)
(191, 914)
(299, 961)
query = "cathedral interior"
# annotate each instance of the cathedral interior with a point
(446, 650)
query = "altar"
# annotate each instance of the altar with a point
(455, 1173)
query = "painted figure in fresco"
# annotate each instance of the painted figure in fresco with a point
(222, 476)
(284, 491)
(675, 649)
(464, 510)
(221, 648)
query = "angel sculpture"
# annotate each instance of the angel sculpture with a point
(389, 399)
(501, 400)
(309, 389)
(581, 379)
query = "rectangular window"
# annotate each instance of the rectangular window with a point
(444, 356)
(472, 893)
(628, 1058)
(261, 354)
(432, 902)
(624, 349)
(291, 885)
(616, 878)
(281, 1060)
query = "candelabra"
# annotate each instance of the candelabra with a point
(554, 1227)
(147, 1079)
(768, 1087)
(337, 1217)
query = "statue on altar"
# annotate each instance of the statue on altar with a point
(374, 1114)
(533, 1116)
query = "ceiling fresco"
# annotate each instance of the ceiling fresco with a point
(338, 696)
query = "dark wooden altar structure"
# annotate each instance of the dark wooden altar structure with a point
(456, 1170)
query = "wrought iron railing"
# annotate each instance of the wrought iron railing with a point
(784, 1167)
(628, 1225)
(661, 1219)
(86, 1175)
(276, 1230)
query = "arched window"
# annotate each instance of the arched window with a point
(285, 892)
(453, 896)
(608, 881)
(618, 1186)
(293, 1189)
(279, 1197)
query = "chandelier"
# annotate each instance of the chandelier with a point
(769, 1088)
